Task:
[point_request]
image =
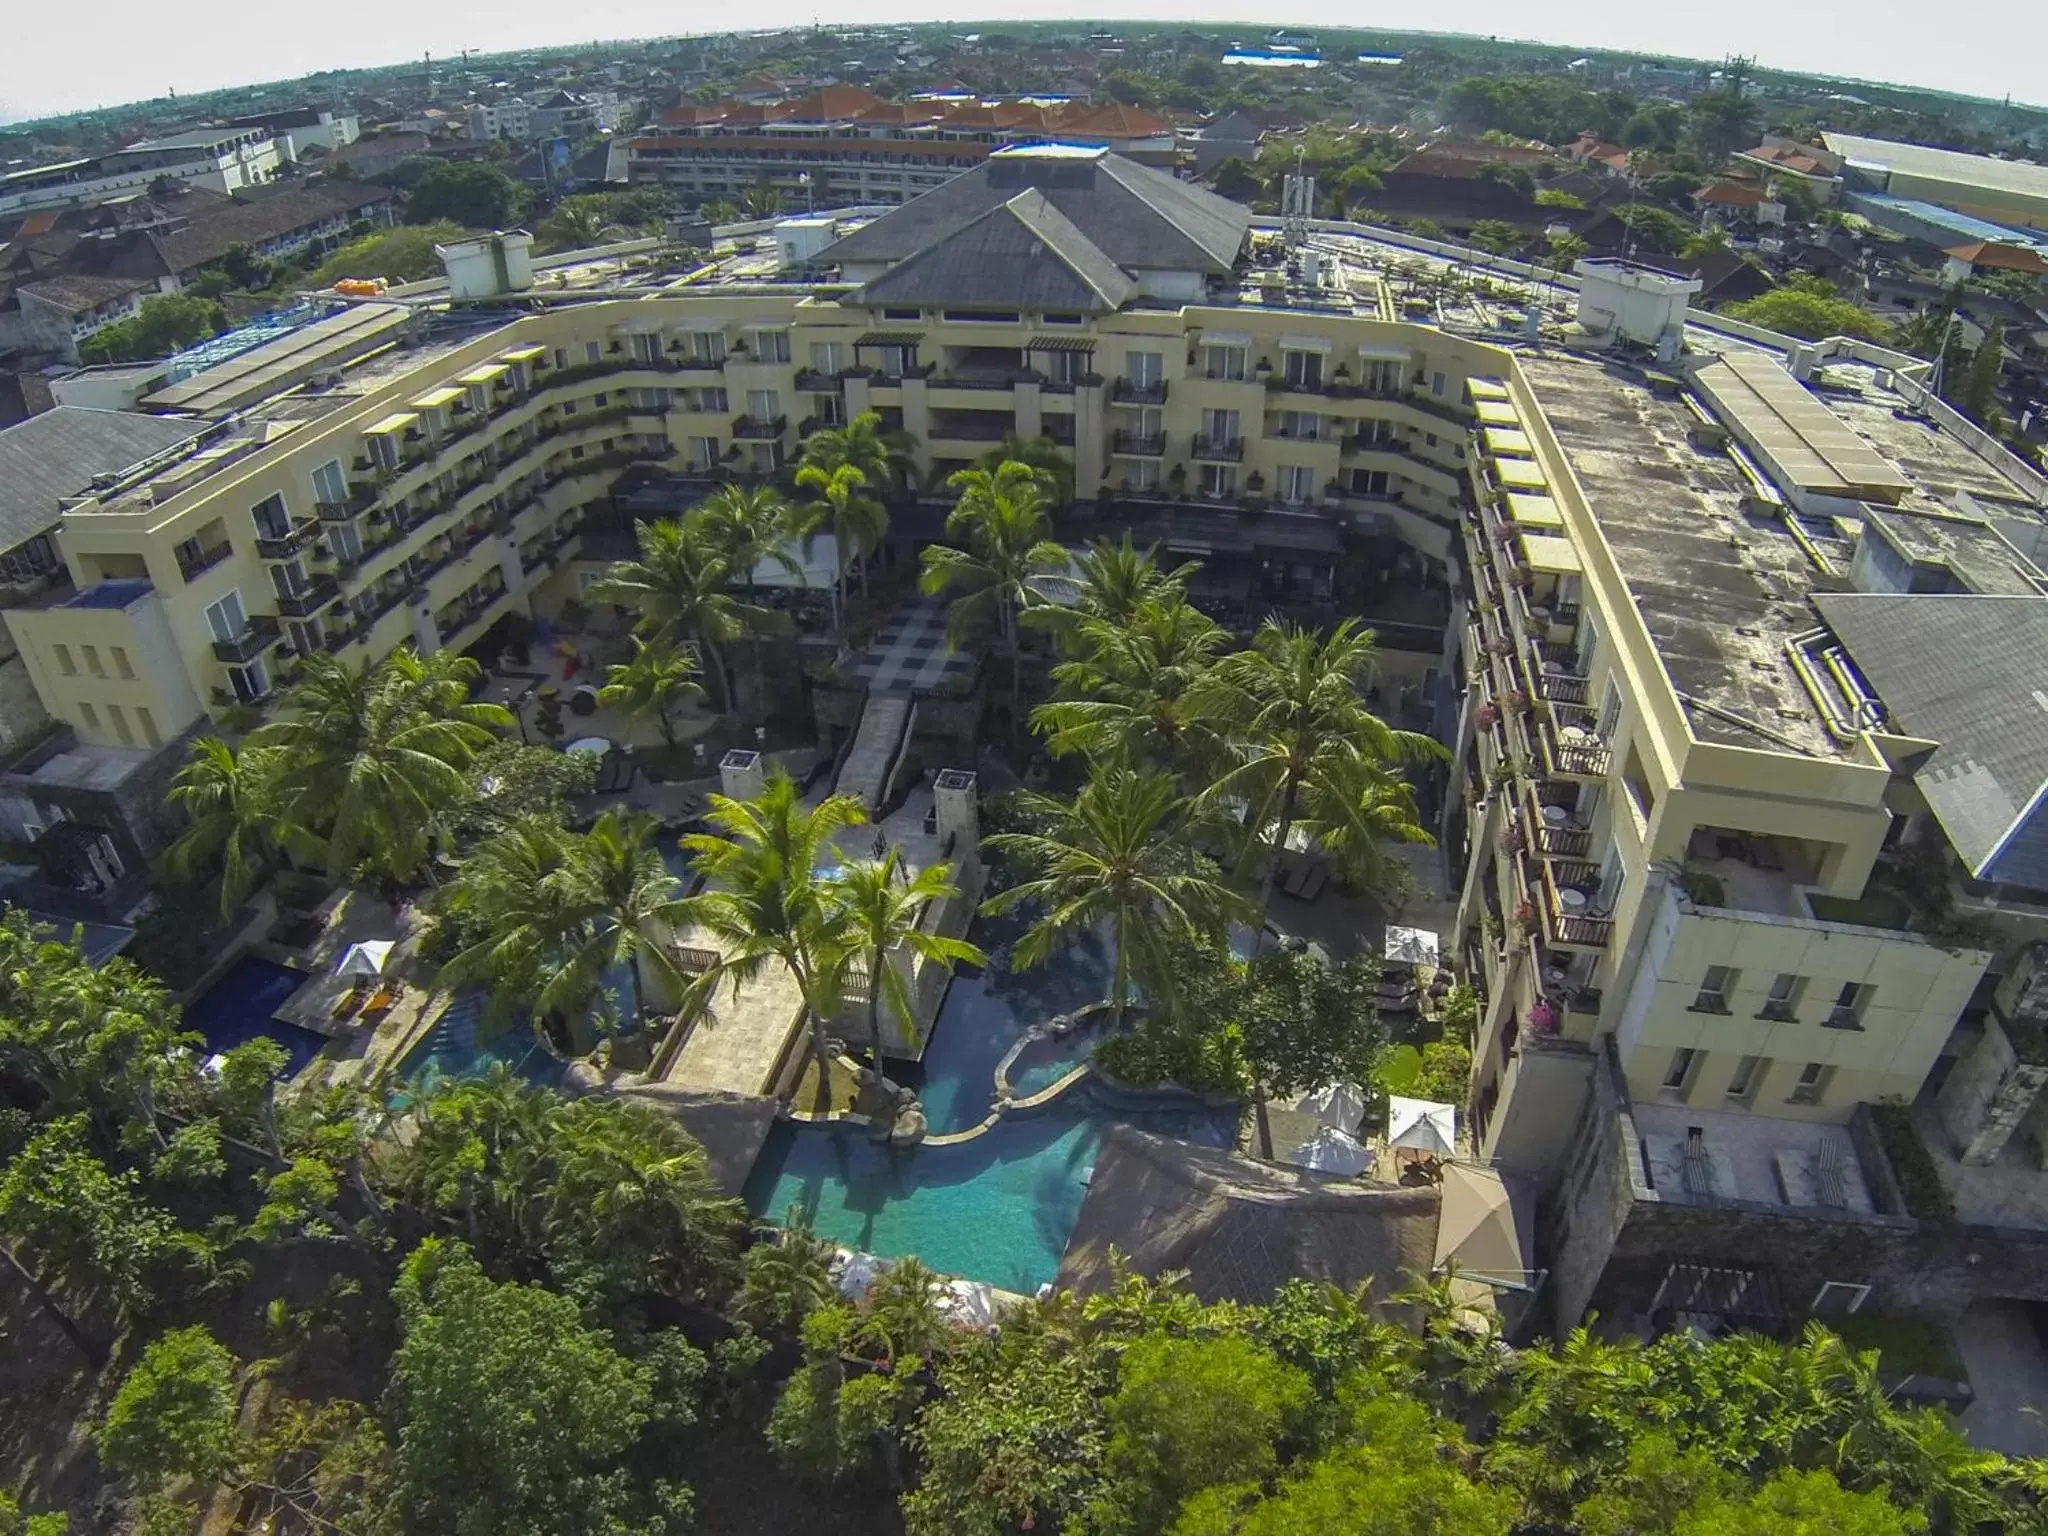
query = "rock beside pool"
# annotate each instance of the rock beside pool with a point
(909, 1128)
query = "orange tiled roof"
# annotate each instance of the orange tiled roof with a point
(1726, 194)
(835, 103)
(2005, 258)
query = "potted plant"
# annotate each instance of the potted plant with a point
(1542, 1017)
(1486, 716)
(1514, 701)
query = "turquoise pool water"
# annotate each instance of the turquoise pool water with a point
(458, 1047)
(1001, 1207)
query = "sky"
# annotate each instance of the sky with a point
(54, 59)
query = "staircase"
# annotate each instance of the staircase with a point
(882, 722)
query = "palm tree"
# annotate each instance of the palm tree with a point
(1353, 808)
(1116, 579)
(788, 1277)
(1290, 705)
(1128, 696)
(858, 521)
(679, 587)
(1120, 854)
(1001, 518)
(654, 682)
(764, 901)
(558, 909)
(1053, 465)
(230, 799)
(884, 455)
(368, 760)
(750, 525)
(877, 905)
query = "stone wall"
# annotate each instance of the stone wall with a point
(1609, 1241)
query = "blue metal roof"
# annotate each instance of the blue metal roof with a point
(1962, 223)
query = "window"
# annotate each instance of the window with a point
(1748, 1073)
(1436, 384)
(1302, 426)
(1219, 427)
(1219, 480)
(1812, 1086)
(147, 722)
(288, 578)
(771, 346)
(272, 522)
(1371, 482)
(1374, 432)
(1302, 370)
(1714, 990)
(384, 450)
(250, 683)
(1297, 484)
(1065, 367)
(306, 636)
(1060, 317)
(1838, 1296)
(902, 314)
(1849, 1005)
(1783, 1003)
(120, 720)
(121, 663)
(91, 653)
(1684, 1061)
(703, 452)
(330, 484)
(89, 715)
(1226, 362)
(226, 617)
(1144, 369)
(764, 404)
(1382, 377)
(561, 357)
(1142, 475)
(646, 348)
(828, 356)
(593, 351)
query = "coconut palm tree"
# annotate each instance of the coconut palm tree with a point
(658, 680)
(1354, 808)
(557, 909)
(1127, 695)
(747, 524)
(1118, 854)
(858, 522)
(679, 588)
(877, 905)
(369, 759)
(764, 901)
(1116, 579)
(1053, 464)
(1291, 707)
(230, 800)
(1001, 518)
(884, 455)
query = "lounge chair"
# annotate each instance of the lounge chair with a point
(1312, 884)
(380, 1002)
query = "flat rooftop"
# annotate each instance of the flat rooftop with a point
(1721, 576)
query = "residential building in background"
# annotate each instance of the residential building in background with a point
(562, 114)
(219, 159)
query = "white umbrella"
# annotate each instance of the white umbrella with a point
(1422, 1125)
(1341, 1105)
(857, 1273)
(1418, 946)
(365, 959)
(1332, 1151)
(595, 744)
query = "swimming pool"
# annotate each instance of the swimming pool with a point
(998, 1208)
(238, 1008)
(458, 1046)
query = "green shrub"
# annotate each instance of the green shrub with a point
(1919, 1181)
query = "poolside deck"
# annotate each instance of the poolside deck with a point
(739, 1042)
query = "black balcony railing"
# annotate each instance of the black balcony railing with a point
(1129, 392)
(282, 544)
(1219, 449)
(191, 565)
(258, 635)
(310, 598)
(1140, 445)
(758, 426)
(812, 382)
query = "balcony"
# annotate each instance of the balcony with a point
(257, 636)
(811, 382)
(190, 566)
(1300, 435)
(1566, 899)
(337, 637)
(282, 544)
(358, 503)
(1558, 683)
(1358, 442)
(1570, 745)
(759, 427)
(309, 599)
(1219, 450)
(1556, 830)
(1139, 445)
(1128, 392)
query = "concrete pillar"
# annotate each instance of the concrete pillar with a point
(1091, 440)
(956, 813)
(1029, 401)
(1987, 1096)
(917, 415)
(860, 396)
(508, 563)
(742, 774)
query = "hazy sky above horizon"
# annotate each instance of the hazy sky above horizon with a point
(55, 60)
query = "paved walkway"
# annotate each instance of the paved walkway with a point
(2008, 1368)
(736, 1044)
(910, 652)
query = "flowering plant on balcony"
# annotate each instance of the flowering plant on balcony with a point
(1514, 701)
(1512, 838)
(1525, 911)
(1542, 1017)
(1486, 716)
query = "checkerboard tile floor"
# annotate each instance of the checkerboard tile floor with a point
(910, 652)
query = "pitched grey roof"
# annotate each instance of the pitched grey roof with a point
(56, 454)
(1140, 218)
(1023, 253)
(1969, 672)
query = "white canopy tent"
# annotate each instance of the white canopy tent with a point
(1421, 1126)
(1417, 946)
(1332, 1151)
(365, 959)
